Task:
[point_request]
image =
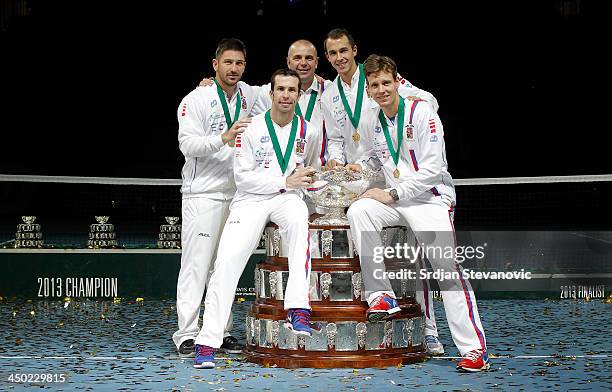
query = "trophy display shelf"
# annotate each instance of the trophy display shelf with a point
(343, 337)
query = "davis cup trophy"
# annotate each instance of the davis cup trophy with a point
(28, 233)
(170, 234)
(342, 336)
(102, 234)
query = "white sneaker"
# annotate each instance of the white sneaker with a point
(433, 345)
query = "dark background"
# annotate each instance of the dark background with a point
(91, 88)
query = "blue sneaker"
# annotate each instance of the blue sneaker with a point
(204, 357)
(382, 307)
(298, 320)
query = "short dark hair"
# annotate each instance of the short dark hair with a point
(375, 63)
(285, 72)
(337, 34)
(230, 44)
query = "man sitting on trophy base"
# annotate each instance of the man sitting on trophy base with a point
(268, 181)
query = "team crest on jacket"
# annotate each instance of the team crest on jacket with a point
(300, 145)
(409, 132)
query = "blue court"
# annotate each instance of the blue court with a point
(535, 345)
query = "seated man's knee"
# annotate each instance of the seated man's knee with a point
(358, 208)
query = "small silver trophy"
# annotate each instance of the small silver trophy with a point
(337, 189)
(28, 233)
(170, 234)
(101, 234)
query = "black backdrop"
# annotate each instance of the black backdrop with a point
(91, 88)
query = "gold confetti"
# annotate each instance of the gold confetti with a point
(139, 299)
(32, 312)
(18, 341)
(116, 300)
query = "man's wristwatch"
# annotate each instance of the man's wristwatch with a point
(393, 194)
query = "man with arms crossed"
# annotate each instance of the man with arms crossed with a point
(209, 119)
(269, 169)
(407, 137)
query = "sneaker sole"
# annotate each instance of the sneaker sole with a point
(189, 355)
(230, 351)
(382, 315)
(470, 370)
(204, 365)
(290, 327)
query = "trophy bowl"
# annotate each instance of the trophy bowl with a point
(336, 190)
(172, 220)
(28, 220)
(101, 219)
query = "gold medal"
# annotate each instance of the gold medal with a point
(396, 173)
(356, 137)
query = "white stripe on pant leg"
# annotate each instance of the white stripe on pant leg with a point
(203, 219)
(238, 241)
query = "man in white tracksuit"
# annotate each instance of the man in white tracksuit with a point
(407, 137)
(209, 119)
(343, 116)
(271, 166)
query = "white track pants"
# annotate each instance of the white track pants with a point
(425, 219)
(202, 222)
(238, 241)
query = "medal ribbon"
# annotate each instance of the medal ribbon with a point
(310, 108)
(221, 95)
(400, 130)
(354, 117)
(283, 159)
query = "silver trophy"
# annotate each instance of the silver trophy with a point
(28, 233)
(102, 234)
(336, 190)
(170, 234)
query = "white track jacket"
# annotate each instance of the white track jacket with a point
(422, 159)
(208, 170)
(256, 170)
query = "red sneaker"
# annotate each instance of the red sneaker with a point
(474, 361)
(382, 307)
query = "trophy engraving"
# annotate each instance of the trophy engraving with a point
(356, 280)
(331, 329)
(361, 331)
(276, 239)
(275, 332)
(327, 239)
(388, 333)
(273, 284)
(326, 280)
